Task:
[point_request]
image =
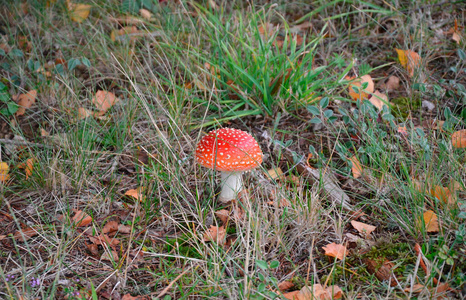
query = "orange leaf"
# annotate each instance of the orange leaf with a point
(410, 60)
(295, 295)
(363, 228)
(356, 168)
(443, 194)
(110, 227)
(215, 234)
(25, 101)
(135, 193)
(458, 139)
(223, 215)
(104, 100)
(335, 250)
(378, 100)
(431, 221)
(285, 285)
(81, 218)
(24, 234)
(145, 13)
(319, 293)
(28, 165)
(83, 113)
(357, 83)
(402, 129)
(4, 168)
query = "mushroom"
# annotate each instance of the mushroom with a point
(230, 151)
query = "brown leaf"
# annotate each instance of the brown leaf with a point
(124, 229)
(275, 173)
(81, 219)
(410, 60)
(357, 83)
(25, 101)
(431, 221)
(362, 228)
(103, 239)
(78, 11)
(104, 100)
(319, 293)
(458, 139)
(393, 83)
(4, 169)
(93, 249)
(27, 232)
(443, 194)
(223, 215)
(110, 256)
(83, 113)
(215, 234)
(378, 100)
(416, 288)
(382, 268)
(335, 250)
(135, 193)
(456, 37)
(283, 202)
(295, 295)
(110, 227)
(285, 285)
(356, 168)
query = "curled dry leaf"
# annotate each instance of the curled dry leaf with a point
(4, 169)
(25, 101)
(458, 139)
(356, 84)
(24, 234)
(223, 215)
(335, 250)
(431, 221)
(393, 83)
(81, 219)
(378, 100)
(215, 234)
(382, 269)
(410, 60)
(356, 168)
(317, 292)
(104, 100)
(78, 11)
(103, 239)
(362, 228)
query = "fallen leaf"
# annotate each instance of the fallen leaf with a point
(431, 221)
(93, 248)
(275, 173)
(4, 169)
(124, 33)
(458, 139)
(356, 168)
(223, 215)
(145, 13)
(393, 83)
(28, 166)
(283, 202)
(379, 100)
(83, 113)
(363, 228)
(402, 129)
(124, 229)
(295, 295)
(357, 84)
(25, 234)
(335, 250)
(44, 132)
(78, 11)
(110, 227)
(135, 193)
(456, 37)
(382, 269)
(215, 234)
(285, 285)
(104, 100)
(25, 101)
(416, 288)
(103, 239)
(110, 256)
(410, 60)
(319, 293)
(81, 219)
(443, 194)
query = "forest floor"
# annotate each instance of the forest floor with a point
(359, 109)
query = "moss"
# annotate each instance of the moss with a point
(403, 106)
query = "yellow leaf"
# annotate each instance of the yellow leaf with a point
(410, 60)
(431, 221)
(4, 168)
(78, 11)
(356, 168)
(357, 84)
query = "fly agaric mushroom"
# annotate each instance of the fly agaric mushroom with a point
(230, 151)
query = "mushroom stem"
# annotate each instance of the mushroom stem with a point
(231, 186)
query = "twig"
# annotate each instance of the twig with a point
(335, 193)
(165, 290)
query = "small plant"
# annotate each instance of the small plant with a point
(7, 106)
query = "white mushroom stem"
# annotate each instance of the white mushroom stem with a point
(231, 186)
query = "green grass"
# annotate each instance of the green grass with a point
(202, 68)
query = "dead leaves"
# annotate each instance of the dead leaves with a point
(378, 100)
(215, 234)
(136, 193)
(356, 90)
(356, 167)
(458, 139)
(430, 221)
(409, 60)
(362, 228)
(335, 250)
(25, 101)
(81, 219)
(78, 12)
(4, 169)
(316, 292)
(104, 100)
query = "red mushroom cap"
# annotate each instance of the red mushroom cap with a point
(228, 149)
